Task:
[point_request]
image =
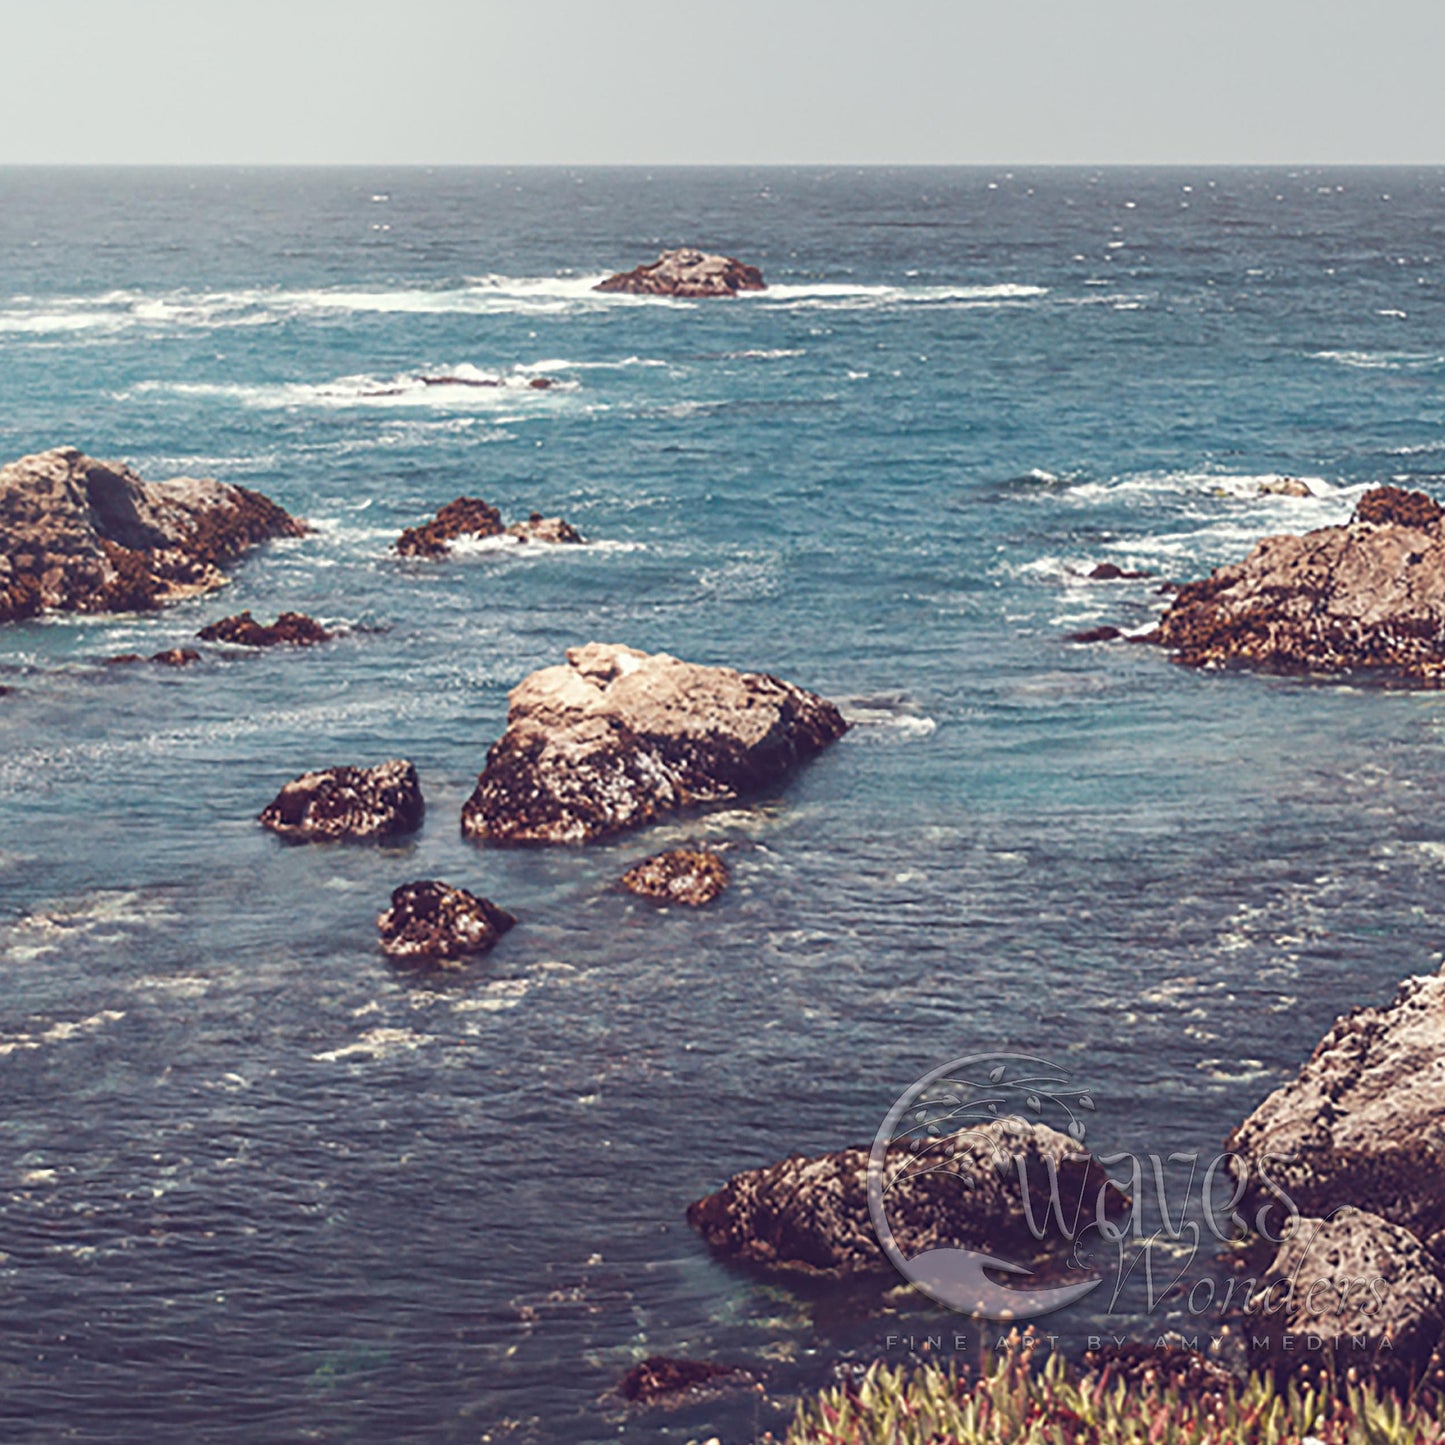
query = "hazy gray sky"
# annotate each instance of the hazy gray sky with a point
(508, 81)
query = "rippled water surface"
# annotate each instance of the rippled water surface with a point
(258, 1184)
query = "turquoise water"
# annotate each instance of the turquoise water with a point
(256, 1182)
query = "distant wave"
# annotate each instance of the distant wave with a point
(1383, 360)
(119, 310)
(461, 387)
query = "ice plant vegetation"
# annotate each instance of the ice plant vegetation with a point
(1018, 1403)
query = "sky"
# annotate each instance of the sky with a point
(517, 82)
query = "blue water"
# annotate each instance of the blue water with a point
(255, 1183)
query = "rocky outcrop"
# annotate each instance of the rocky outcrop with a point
(1363, 1122)
(809, 1215)
(617, 738)
(242, 630)
(687, 272)
(693, 876)
(1113, 572)
(79, 535)
(1354, 1289)
(351, 803)
(432, 922)
(473, 518)
(1366, 595)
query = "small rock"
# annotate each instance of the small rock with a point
(430, 921)
(176, 657)
(1285, 487)
(687, 272)
(660, 1378)
(1094, 634)
(244, 631)
(552, 530)
(1112, 572)
(355, 803)
(541, 383)
(693, 876)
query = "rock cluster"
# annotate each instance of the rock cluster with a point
(687, 272)
(617, 737)
(1357, 1143)
(348, 803)
(472, 517)
(80, 535)
(242, 630)
(693, 876)
(1366, 595)
(660, 1379)
(170, 657)
(432, 922)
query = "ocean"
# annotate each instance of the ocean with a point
(256, 1183)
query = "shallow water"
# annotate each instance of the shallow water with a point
(255, 1182)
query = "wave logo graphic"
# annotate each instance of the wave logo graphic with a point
(971, 1127)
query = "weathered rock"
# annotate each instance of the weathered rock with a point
(357, 803)
(618, 737)
(693, 876)
(687, 272)
(432, 922)
(1094, 634)
(809, 1215)
(538, 528)
(472, 517)
(1112, 572)
(79, 535)
(465, 517)
(295, 628)
(660, 1379)
(1367, 595)
(1353, 1288)
(1363, 1124)
(541, 383)
(171, 657)
(1159, 1367)
(1285, 487)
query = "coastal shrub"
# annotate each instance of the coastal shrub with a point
(1015, 1403)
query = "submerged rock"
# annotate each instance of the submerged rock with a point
(295, 628)
(809, 1215)
(1095, 634)
(687, 272)
(474, 518)
(1285, 487)
(171, 657)
(1363, 1287)
(1112, 572)
(660, 1379)
(430, 921)
(80, 535)
(1363, 1123)
(356, 803)
(617, 737)
(1369, 595)
(693, 876)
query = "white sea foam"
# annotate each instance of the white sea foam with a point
(1383, 360)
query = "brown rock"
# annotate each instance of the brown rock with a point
(1094, 634)
(693, 876)
(465, 517)
(177, 657)
(687, 272)
(1367, 595)
(809, 1215)
(1112, 572)
(1363, 1287)
(79, 535)
(1285, 487)
(659, 1379)
(541, 383)
(617, 737)
(432, 922)
(243, 630)
(552, 530)
(354, 803)
(1363, 1122)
